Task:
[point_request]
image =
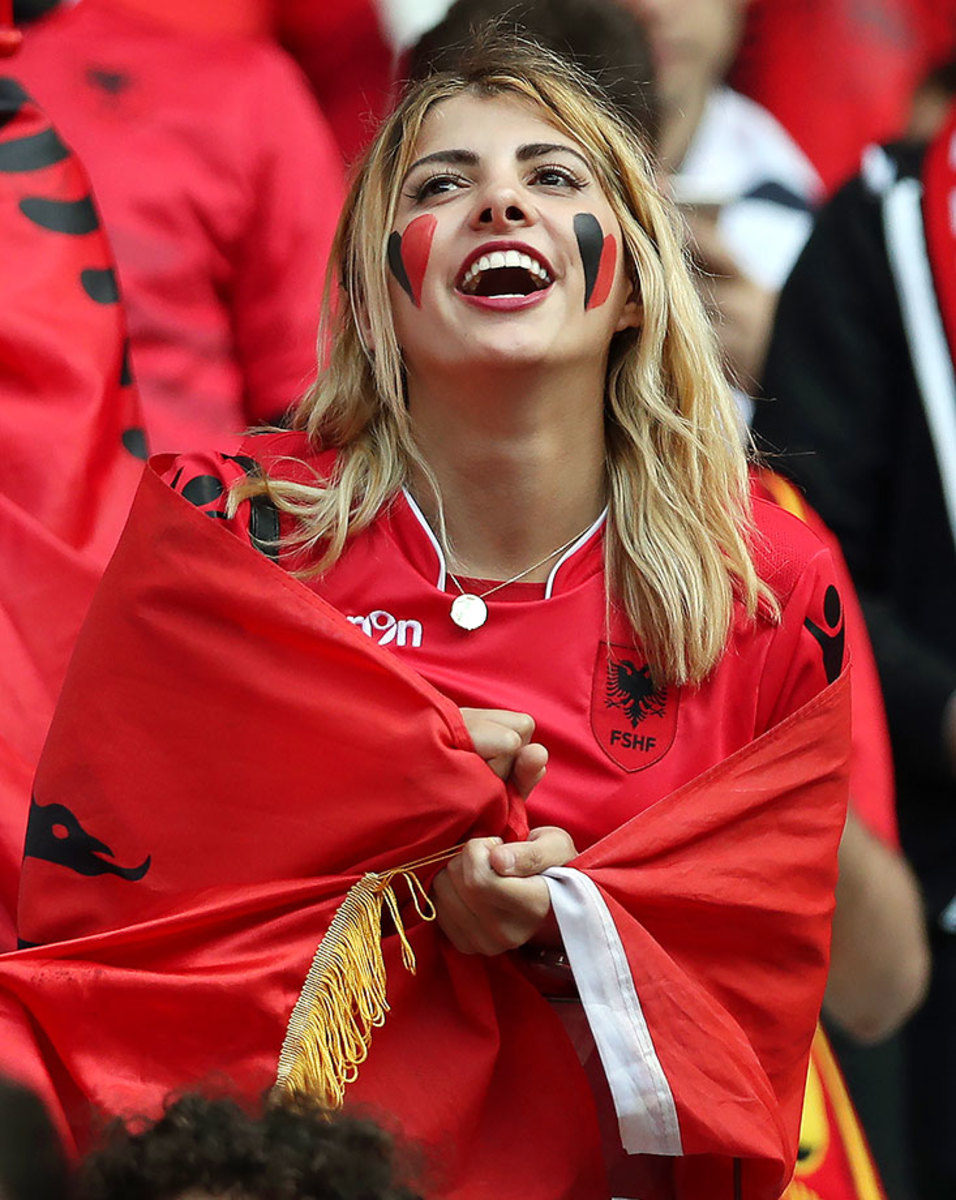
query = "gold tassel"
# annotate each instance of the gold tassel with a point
(343, 997)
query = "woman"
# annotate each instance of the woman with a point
(519, 476)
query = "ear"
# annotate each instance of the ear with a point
(632, 314)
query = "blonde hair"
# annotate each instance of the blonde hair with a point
(678, 532)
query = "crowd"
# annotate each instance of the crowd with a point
(517, 698)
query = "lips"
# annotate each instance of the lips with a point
(504, 271)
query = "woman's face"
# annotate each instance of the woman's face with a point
(505, 248)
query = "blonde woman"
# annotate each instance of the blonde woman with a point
(519, 480)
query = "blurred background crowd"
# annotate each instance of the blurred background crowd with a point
(188, 158)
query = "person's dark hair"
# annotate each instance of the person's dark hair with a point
(32, 1162)
(599, 36)
(25, 11)
(287, 1152)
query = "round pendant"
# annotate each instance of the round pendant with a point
(469, 611)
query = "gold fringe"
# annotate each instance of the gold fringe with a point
(343, 997)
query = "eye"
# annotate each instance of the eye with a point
(558, 175)
(436, 185)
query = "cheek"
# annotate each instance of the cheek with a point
(598, 256)
(408, 255)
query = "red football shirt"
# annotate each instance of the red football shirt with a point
(546, 650)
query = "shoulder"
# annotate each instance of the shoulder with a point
(204, 477)
(787, 553)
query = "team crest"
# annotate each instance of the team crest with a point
(633, 721)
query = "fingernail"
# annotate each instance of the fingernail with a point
(506, 862)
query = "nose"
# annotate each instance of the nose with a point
(502, 207)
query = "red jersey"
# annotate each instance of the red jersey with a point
(220, 188)
(546, 650)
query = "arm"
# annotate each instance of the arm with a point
(879, 958)
(742, 310)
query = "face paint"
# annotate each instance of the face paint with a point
(408, 255)
(599, 256)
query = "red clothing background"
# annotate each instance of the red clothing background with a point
(340, 44)
(219, 186)
(839, 74)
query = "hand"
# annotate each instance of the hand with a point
(491, 897)
(742, 310)
(503, 739)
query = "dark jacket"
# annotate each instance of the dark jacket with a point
(848, 422)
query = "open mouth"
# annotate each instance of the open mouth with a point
(505, 273)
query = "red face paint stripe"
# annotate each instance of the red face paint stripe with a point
(605, 275)
(416, 246)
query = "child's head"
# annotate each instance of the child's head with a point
(203, 1148)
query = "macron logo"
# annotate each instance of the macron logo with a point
(385, 629)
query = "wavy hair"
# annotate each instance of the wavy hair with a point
(678, 534)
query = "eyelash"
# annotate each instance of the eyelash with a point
(573, 180)
(425, 189)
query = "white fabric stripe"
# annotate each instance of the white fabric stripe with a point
(929, 349)
(568, 553)
(431, 537)
(647, 1116)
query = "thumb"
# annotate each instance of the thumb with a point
(547, 846)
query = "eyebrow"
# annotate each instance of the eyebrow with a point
(525, 153)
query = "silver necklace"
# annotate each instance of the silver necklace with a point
(469, 611)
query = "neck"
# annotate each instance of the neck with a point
(679, 122)
(519, 465)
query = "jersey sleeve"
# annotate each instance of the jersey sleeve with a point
(204, 478)
(808, 649)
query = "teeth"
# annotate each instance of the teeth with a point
(499, 259)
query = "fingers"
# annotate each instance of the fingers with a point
(478, 910)
(546, 847)
(529, 767)
(497, 730)
(503, 739)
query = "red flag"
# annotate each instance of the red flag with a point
(230, 754)
(69, 430)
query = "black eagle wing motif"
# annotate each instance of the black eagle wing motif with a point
(631, 688)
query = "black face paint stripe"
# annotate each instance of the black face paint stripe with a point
(61, 216)
(41, 149)
(396, 264)
(590, 237)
